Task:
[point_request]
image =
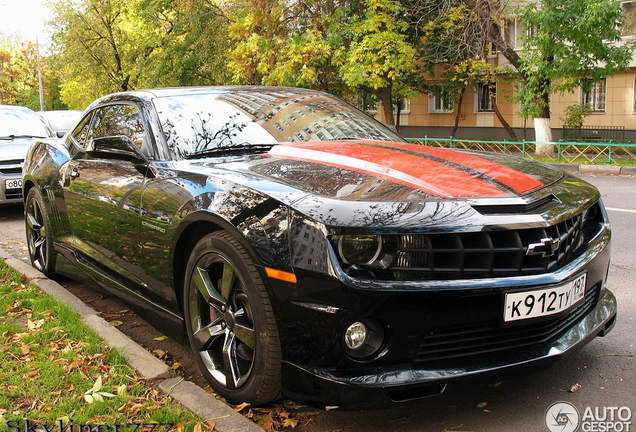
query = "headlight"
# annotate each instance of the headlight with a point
(360, 249)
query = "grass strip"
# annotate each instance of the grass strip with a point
(58, 376)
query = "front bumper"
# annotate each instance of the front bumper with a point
(381, 387)
(12, 195)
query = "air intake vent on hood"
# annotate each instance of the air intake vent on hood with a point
(515, 208)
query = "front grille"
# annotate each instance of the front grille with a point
(13, 194)
(449, 343)
(494, 253)
(11, 166)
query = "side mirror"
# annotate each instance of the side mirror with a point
(116, 147)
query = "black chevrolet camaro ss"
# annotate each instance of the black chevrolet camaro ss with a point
(306, 251)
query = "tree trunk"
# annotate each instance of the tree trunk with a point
(387, 105)
(543, 137)
(542, 128)
(503, 121)
(458, 112)
(386, 100)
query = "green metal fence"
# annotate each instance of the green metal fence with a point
(564, 152)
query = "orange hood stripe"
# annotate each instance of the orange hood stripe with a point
(514, 179)
(428, 175)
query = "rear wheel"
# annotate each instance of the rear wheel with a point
(38, 234)
(230, 323)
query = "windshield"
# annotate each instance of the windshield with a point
(21, 122)
(198, 123)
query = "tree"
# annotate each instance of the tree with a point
(290, 45)
(380, 58)
(19, 63)
(565, 43)
(191, 43)
(98, 47)
(359, 44)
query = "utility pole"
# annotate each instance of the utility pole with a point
(40, 86)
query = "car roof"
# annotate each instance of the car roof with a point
(15, 107)
(183, 91)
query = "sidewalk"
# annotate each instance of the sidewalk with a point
(150, 367)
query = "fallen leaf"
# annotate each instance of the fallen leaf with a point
(241, 407)
(482, 404)
(161, 338)
(576, 387)
(292, 423)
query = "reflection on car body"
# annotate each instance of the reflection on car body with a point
(305, 250)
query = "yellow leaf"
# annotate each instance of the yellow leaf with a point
(161, 338)
(482, 404)
(98, 384)
(88, 398)
(292, 423)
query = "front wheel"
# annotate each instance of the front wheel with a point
(38, 234)
(230, 323)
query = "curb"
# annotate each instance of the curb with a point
(148, 366)
(595, 169)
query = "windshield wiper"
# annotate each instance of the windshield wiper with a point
(10, 137)
(235, 149)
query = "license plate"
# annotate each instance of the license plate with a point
(544, 302)
(13, 184)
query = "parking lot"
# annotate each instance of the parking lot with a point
(601, 376)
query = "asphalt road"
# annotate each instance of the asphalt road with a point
(603, 372)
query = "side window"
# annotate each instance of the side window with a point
(80, 133)
(120, 120)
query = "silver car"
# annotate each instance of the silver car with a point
(19, 126)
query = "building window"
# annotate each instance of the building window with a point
(594, 93)
(485, 97)
(439, 101)
(629, 14)
(510, 33)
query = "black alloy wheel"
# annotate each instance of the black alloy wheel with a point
(230, 323)
(38, 234)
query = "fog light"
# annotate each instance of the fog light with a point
(364, 340)
(356, 336)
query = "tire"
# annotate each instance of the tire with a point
(230, 323)
(38, 234)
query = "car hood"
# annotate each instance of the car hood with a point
(14, 149)
(384, 171)
(353, 183)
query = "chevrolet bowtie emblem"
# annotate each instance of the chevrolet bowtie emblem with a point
(546, 248)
